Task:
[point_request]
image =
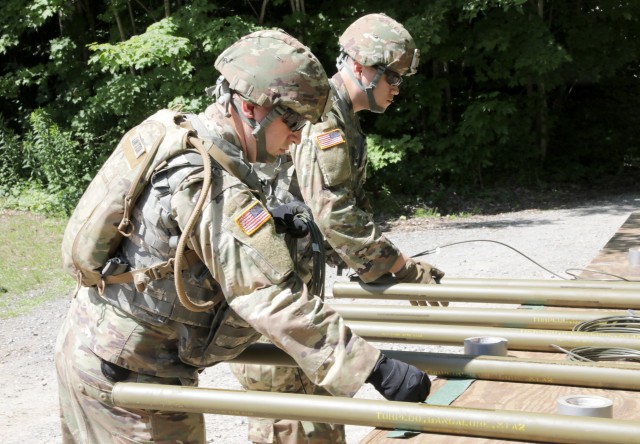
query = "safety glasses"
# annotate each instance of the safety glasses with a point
(393, 78)
(293, 120)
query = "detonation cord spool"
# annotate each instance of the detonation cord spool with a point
(611, 324)
(316, 284)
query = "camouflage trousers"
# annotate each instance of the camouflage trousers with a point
(87, 413)
(281, 431)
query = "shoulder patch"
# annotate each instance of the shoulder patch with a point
(251, 219)
(329, 139)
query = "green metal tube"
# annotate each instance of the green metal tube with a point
(609, 375)
(494, 317)
(518, 338)
(558, 297)
(524, 426)
(547, 283)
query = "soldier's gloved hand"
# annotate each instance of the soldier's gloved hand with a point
(290, 218)
(399, 381)
(418, 272)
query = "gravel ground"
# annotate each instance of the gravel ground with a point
(558, 239)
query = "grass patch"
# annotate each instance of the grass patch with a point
(426, 212)
(30, 262)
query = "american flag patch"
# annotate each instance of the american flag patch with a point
(332, 138)
(253, 218)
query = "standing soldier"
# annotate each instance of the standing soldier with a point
(239, 274)
(328, 173)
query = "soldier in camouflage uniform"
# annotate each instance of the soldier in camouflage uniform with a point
(270, 85)
(328, 172)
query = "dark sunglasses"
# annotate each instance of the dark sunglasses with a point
(393, 78)
(293, 120)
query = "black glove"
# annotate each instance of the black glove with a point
(399, 381)
(290, 218)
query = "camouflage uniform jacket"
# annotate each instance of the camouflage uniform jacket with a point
(330, 164)
(243, 259)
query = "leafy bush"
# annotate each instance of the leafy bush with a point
(11, 165)
(55, 161)
(507, 91)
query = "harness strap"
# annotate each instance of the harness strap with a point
(140, 277)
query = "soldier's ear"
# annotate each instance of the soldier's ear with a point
(357, 69)
(248, 109)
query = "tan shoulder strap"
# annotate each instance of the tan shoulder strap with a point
(224, 160)
(195, 215)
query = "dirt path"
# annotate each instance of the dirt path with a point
(557, 239)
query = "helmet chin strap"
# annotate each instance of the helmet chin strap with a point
(373, 106)
(258, 131)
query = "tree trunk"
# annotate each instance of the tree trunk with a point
(84, 9)
(151, 14)
(542, 124)
(263, 11)
(297, 6)
(123, 36)
(131, 18)
(447, 90)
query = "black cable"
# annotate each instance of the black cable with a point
(434, 250)
(299, 375)
(318, 270)
(619, 278)
(317, 248)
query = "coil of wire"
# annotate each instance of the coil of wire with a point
(611, 324)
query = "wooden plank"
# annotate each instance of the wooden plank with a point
(498, 395)
(614, 257)
(542, 398)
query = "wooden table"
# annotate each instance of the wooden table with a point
(541, 398)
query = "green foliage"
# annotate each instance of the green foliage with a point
(11, 167)
(32, 15)
(426, 212)
(385, 152)
(485, 130)
(32, 173)
(158, 46)
(55, 161)
(470, 9)
(32, 197)
(507, 90)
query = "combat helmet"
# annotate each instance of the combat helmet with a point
(271, 68)
(380, 41)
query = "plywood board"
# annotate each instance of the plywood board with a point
(541, 398)
(614, 257)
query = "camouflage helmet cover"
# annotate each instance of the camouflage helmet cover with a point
(271, 68)
(377, 39)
